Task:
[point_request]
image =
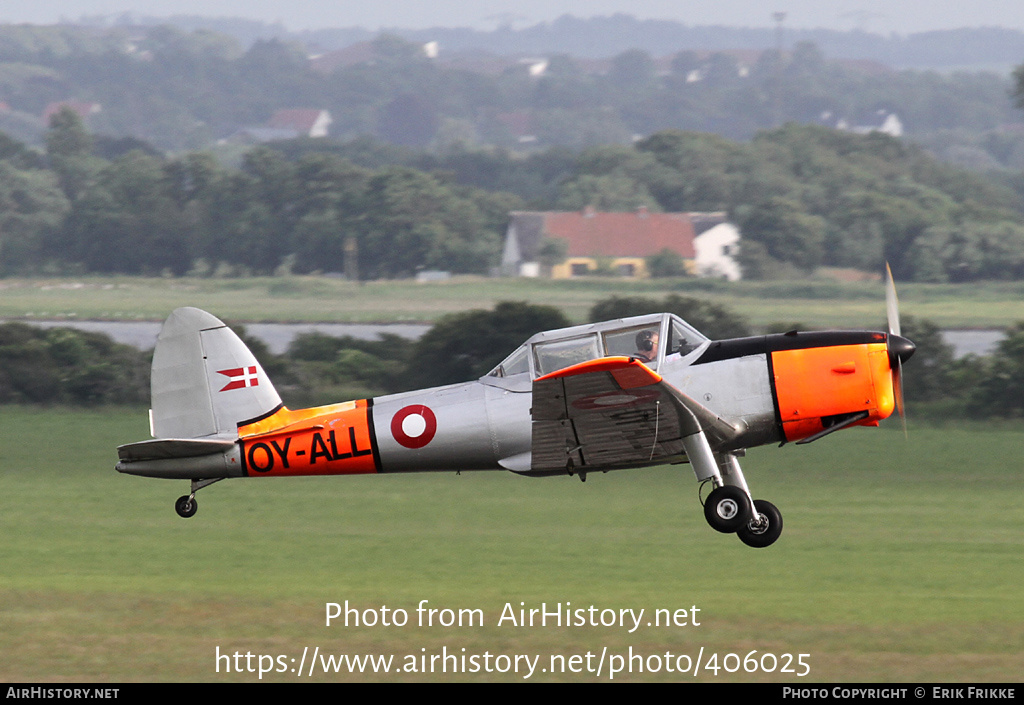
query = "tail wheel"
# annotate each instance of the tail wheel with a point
(727, 509)
(765, 528)
(186, 506)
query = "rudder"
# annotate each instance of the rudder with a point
(204, 380)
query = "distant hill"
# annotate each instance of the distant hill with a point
(983, 48)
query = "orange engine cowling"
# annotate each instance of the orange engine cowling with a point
(820, 387)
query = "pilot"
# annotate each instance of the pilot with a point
(646, 346)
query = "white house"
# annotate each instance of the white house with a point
(716, 247)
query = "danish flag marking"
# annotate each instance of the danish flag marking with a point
(240, 378)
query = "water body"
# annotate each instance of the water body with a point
(278, 336)
(973, 342)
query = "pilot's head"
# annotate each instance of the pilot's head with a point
(647, 341)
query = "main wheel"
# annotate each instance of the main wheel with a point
(186, 506)
(763, 529)
(727, 509)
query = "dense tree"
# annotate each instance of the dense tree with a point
(1000, 391)
(126, 221)
(666, 263)
(63, 365)
(408, 120)
(931, 376)
(632, 69)
(32, 209)
(785, 231)
(969, 252)
(684, 63)
(698, 170)
(613, 192)
(1018, 86)
(412, 221)
(69, 148)
(321, 363)
(67, 136)
(18, 155)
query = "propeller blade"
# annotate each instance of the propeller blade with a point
(892, 304)
(897, 385)
(899, 347)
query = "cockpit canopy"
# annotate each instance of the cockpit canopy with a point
(651, 339)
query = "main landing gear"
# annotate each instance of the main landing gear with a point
(729, 508)
(186, 505)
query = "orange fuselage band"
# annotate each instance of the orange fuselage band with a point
(815, 383)
(334, 440)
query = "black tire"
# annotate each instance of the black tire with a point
(727, 509)
(186, 506)
(763, 530)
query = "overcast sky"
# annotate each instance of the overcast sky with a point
(884, 16)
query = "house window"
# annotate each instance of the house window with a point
(626, 269)
(726, 250)
(580, 269)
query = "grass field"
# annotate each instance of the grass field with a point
(901, 560)
(814, 303)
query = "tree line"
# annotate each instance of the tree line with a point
(142, 213)
(64, 366)
(803, 197)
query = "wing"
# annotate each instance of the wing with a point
(615, 412)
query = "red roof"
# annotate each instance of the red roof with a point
(636, 234)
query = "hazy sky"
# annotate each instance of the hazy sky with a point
(885, 16)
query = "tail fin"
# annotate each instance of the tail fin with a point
(205, 381)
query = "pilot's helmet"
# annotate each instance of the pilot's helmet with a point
(645, 340)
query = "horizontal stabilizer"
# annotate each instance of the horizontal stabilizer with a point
(169, 448)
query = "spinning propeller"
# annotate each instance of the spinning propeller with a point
(900, 349)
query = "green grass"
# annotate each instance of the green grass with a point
(816, 303)
(900, 560)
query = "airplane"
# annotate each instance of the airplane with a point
(628, 393)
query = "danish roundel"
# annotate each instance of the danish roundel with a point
(414, 426)
(616, 400)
